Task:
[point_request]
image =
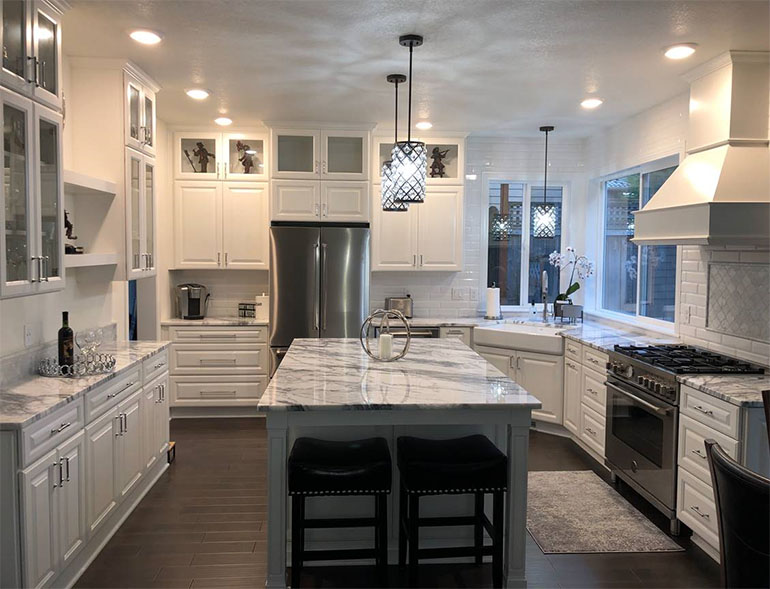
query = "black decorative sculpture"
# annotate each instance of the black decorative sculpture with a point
(203, 156)
(68, 226)
(245, 156)
(437, 166)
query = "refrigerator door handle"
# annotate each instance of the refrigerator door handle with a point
(316, 273)
(324, 285)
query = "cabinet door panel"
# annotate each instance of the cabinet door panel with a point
(46, 28)
(344, 155)
(541, 375)
(244, 157)
(161, 418)
(295, 200)
(198, 224)
(17, 43)
(394, 237)
(150, 401)
(197, 155)
(345, 202)
(148, 213)
(130, 463)
(572, 395)
(101, 468)
(440, 231)
(39, 524)
(72, 517)
(296, 153)
(245, 232)
(500, 360)
(148, 121)
(134, 245)
(133, 110)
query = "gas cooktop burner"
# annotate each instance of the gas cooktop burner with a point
(681, 359)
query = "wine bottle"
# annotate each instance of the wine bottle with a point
(66, 342)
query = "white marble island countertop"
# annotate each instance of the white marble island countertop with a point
(328, 374)
(34, 397)
(214, 321)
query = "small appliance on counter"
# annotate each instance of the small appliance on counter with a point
(402, 304)
(192, 300)
(262, 307)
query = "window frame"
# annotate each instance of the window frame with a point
(636, 318)
(528, 180)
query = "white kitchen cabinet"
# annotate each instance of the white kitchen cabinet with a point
(344, 155)
(464, 334)
(221, 225)
(572, 394)
(314, 201)
(451, 150)
(345, 201)
(130, 462)
(101, 454)
(541, 375)
(427, 237)
(210, 155)
(140, 215)
(39, 520)
(139, 111)
(72, 498)
(31, 39)
(313, 154)
(31, 243)
(154, 420)
(500, 359)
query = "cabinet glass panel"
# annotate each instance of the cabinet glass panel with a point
(442, 160)
(49, 198)
(14, 37)
(295, 153)
(149, 220)
(386, 154)
(46, 35)
(15, 146)
(344, 155)
(133, 111)
(246, 156)
(149, 108)
(136, 245)
(198, 156)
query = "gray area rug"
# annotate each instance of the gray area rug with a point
(577, 512)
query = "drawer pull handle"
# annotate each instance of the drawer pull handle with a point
(217, 393)
(697, 510)
(702, 410)
(217, 361)
(61, 428)
(160, 365)
(571, 350)
(594, 361)
(128, 386)
(67, 465)
(593, 392)
(699, 454)
(571, 365)
(222, 335)
(590, 431)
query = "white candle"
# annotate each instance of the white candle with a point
(386, 346)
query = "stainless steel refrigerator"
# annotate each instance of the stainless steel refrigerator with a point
(319, 283)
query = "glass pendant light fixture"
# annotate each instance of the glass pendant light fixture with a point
(409, 159)
(544, 215)
(386, 187)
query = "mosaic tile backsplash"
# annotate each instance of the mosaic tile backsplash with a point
(738, 301)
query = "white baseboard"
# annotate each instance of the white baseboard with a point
(705, 546)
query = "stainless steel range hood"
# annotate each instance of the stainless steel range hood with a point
(720, 193)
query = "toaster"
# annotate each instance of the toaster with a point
(403, 304)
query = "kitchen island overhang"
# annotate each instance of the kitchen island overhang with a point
(330, 388)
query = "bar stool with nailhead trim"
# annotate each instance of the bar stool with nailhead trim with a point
(321, 467)
(469, 465)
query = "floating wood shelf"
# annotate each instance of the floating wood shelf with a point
(81, 184)
(90, 260)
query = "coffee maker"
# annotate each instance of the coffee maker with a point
(192, 301)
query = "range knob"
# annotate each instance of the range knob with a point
(628, 371)
(646, 382)
(658, 388)
(640, 380)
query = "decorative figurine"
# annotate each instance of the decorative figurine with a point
(437, 167)
(203, 156)
(68, 228)
(247, 159)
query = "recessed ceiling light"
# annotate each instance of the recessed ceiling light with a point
(590, 103)
(146, 37)
(198, 93)
(424, 125)
(223, 121)
(680, 51)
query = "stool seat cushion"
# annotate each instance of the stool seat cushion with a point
(459, 465)
(322, 467)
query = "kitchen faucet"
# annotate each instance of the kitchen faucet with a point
(544, 294)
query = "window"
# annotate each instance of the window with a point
(637, 280)
(522, 234)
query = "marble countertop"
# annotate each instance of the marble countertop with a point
(604, 337)
(176, 322)
(742, 390)
(31, 399)
(336, 374)
(447, 321)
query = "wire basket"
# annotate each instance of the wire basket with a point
(85, 365)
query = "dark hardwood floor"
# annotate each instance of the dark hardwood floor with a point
(203, 525)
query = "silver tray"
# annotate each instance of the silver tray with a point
(86, 365)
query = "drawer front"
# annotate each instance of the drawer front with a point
(100, 400)
(192, 392)
(155, 366)
(236, 359)
(692, 452)
(218, 335)
(592, 429)
(461, 333)
(573, 350)
(595, 359)
(45, 434)
(713, 412)
(594, 392)
(696, 508)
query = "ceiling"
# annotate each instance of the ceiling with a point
(487, 67)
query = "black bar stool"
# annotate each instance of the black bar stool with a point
(469, 465)
(320, 467)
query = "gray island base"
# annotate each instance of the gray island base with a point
(330, 389)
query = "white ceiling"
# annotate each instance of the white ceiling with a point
(487, 66)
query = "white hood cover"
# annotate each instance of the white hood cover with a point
(720, 193)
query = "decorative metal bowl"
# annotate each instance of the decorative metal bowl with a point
(384, 316)
(86, 365)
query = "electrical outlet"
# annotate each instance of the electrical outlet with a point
(459, 294)
(29, 336)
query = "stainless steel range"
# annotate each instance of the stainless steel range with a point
(643, 414)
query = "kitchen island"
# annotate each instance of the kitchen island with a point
(329, 388)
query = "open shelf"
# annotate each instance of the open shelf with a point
(81, 184)
(90, 260)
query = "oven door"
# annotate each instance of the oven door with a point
(641, 440)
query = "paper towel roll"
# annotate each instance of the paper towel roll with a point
(493, 303)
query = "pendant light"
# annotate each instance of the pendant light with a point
(409, 159)
(544, 215)
(386, 187)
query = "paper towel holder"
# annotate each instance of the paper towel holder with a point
(496, 317)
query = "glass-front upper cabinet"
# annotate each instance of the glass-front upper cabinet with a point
(139, 114)
(31, 37)
(244, 156)
(296, 153)
(197, 155)
(140, 215)
(203, 155)
(344, 155)
(445, 162)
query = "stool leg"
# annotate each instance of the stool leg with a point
(402, 530)
(414, 536)
(478, 528)
(382, 530)
(297, 537)
(497, 540)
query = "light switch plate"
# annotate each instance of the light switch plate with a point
(29, 336)
(459, 294)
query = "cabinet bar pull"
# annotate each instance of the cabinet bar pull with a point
(217, 393)
(217, 361)
(697, 510)
(702, 410)
(61, 428)
(120, 425)
(219, 258)
(67, 464)
(55, 464)
(590, 431)
(222, 335)
(420, 259)
(225, 258)
(125, 422)
(159, 365)
(593, 392)
(699, 454)
(414, 260)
